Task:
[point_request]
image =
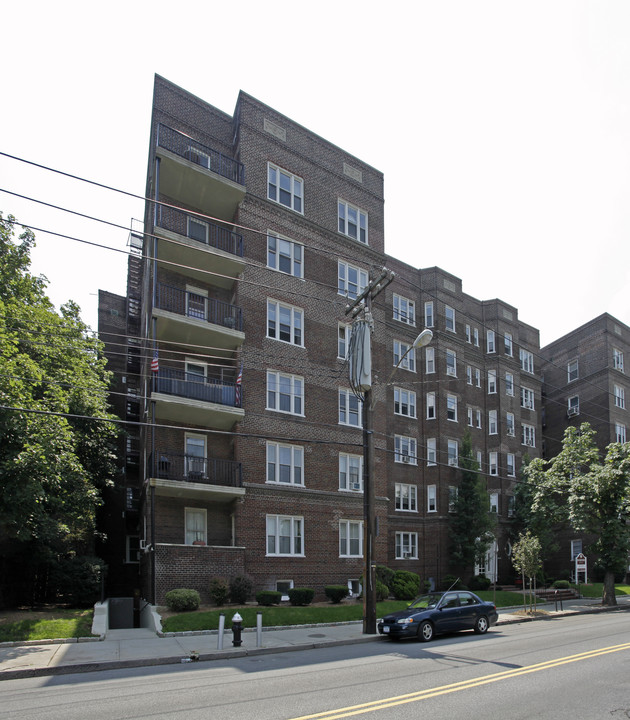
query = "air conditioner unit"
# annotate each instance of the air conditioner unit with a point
(355, 486)
(573, 411)
(406, 458)
(143, 544)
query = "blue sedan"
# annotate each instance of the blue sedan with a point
(440, 612)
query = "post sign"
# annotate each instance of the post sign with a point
(581, 574)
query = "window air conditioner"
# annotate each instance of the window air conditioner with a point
(406, 458)
(143, 544)
(355, 486)
(573, 411)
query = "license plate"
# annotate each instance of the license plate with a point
(385, 628)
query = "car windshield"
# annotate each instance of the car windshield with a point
(426, 601)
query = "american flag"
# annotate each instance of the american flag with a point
(237, 394)
(154, 363)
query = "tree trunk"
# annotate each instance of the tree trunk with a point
(608, 595)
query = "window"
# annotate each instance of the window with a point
(620, 397)
(350, 409)
(198, 230)
(527, 360)
(469, 374)
(468, 334)
(511, 464)
(453, 491)
(508, 344)
(406, 545)
(510, 424)
(470, 417)
(478, 418)
(196, 372)
(406, 498)
(573, 406)
(528, 435)
(492, 422)
(429, 359)
(351, 280)
(451, 363)
(451, 408)
(449, 315)
(492, 382)
(285, 393)
(195, 457)
(404, 310)
(132, 549)
(431, 406)
(284, 323)
(285, 535)
(283, 586)
(478, 377)
(431, 498)
(576, 549)
(285, 188)
(350, 538)
(527, 398)
(350, 472)
(494, 502)
(620, 433)
(196, 302)
(407, 361)
(617, 359)
(493, 463)
(405, 450)
(195, 519)
(284, 255)
(572, 370)
(509, 384)
(285, 464)
(452, 452)
(431, 451)
(428, 314)
(476, 337)
(343, 340)
(404, 402)
(353, 222)
(490, 342)
(511, 506)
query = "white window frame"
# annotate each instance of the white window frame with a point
(449, 318)
(618, 359)
(573, 370)
(451, 363)
(620, 433)
(509, 384)
(431, 406)
(406, 546)
(511, 464)
(528, 398)
(350, 467)
(491, 346)
(508, 344)
(451, 408)
(493, 463)
(194, 532)
(277, 384)
(493, 423)
(202, 295)
(527, 361)
(351, 280)
(468, 334)
(295, 190)
(573, 405)
(493, 498)
(195, 465)
(576, 549)
(620, 397)
(477, 377)
(350, 533)
(476, 337)
(409, 360)
(469, 374)
(431, 498)
(276, 454)
(510, 421)
(404, 402)
(350, 406)
(453, 453)
(296, 535)
(280, 251)
(405, 450)
(429, 317)
(431, 451)
(343, 340)
(528, 435)
(275, 309)
(344, 212)
(492, 382)
(406, 497)
(478, 417)
(429, 360)
(404, 310)
(470, 414)
(453, 492)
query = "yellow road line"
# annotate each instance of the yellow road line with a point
(456, 687)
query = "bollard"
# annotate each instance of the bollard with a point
(258, 629)
(221, 631)
(237, 629)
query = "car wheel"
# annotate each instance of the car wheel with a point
(425, 631)
(481, 625)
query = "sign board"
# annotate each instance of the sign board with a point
(581, 573)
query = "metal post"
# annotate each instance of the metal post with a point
(221, 631)
(259, 629)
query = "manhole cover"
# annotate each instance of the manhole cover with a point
(317, 635)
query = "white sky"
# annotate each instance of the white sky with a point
(502, 128)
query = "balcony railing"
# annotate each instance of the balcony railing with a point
(198, 307)
(177, 382)
(199, 230)
(168, 465)
(188, 148)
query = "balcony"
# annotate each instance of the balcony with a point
(187, 398)
(198, 176)
(191, 318)
(179, 475)
(193, 242)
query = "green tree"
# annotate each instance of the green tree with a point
(55, 458)
(526, 558)
(576, 487)
(472, 525)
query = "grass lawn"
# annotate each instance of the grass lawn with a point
(45, 624)
(595, 590)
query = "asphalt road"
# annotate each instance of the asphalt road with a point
(576, 667)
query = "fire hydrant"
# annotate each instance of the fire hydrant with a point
(237, 629)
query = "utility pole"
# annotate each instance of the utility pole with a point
(360, 361)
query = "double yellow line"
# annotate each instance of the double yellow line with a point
(456, 687)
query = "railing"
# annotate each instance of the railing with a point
(189, 385)
(210, 471)
(186, 147)
(199, 307)
(201, 231)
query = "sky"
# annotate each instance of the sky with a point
(502, 129)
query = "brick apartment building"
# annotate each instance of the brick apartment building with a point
(229, 352)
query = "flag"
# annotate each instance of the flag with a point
(154, 363)
(237, 394)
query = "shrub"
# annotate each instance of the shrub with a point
(77, 579)
(450, 582)
(480, 582)
(385, 574)
(301, 596)
(241, 588)
(268, 597)
(561, 585)
(382, 591)
(182, 600)
(218, 591)
(405, 585)
(336, 593)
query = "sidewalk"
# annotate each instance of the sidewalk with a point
(141, 647)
